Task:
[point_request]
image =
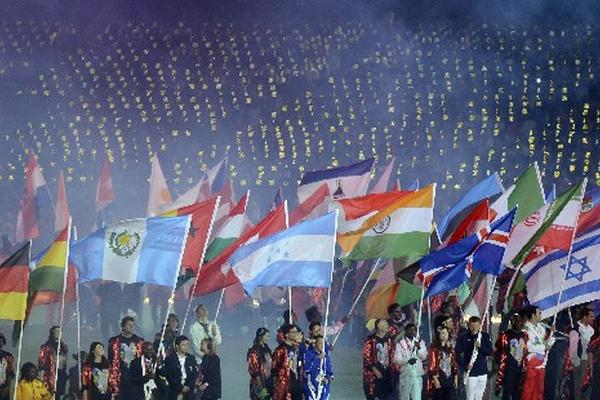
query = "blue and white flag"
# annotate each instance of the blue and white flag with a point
(487, 188)
(301, 256)
(145, 250)
(582, 284)
(343, 182)
(451, 266)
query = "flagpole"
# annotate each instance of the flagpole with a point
(210, 228)
(172, 296)
(219, 305)
(429, 321)
(62, 305)
(287, 225)
(78, 317)
(355, 303)
(419, 317)
(567, 267)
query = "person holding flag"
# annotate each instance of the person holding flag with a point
(539, 344)
(409, 355)
(122, 350)
(511, 349)
(48, 362)
(318, 374)
(378, 351)
(472, 349)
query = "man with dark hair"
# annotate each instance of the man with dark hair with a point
(286, 366)
(396, 321)
(48, 362)
(7, 372)
(378, 351)
(472, 349)
(511, 348)
(579, 339)
(143, 375)
(538, 344)
(181, 370)
(202, 328)
(122, 350)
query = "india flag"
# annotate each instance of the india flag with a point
(400, 229)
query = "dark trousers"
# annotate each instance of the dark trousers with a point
(513, 382)
(444, 393)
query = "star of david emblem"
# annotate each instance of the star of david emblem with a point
(577, 273)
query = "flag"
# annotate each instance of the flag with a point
(384, 180)
(50, 269)
(451, 266)
(387, 290)
(400, 230)
(315, 205)
(487, 188)
(590, 210)
(527, 193)
(547, 228)
(105, 194)
(476, 220)
(582, 276)
(277, 200)
(396, 186)
(27, 227)
(61, 214)
(215, 180)
(216, 274)
(14, 282)
(230, 231)
(300, 256)
(343, 182)
(159, 196)
(143, 250)
(202, 219)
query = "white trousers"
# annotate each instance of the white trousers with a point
(476, 387)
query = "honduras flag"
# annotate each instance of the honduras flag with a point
(544, 278)
(451, 266)
(145, 250)
(301, 256)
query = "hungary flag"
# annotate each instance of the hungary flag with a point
(400, 229)
(230, 231)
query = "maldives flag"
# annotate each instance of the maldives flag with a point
(217, 274)
(27, 227)
(105, 194)
(202, 220)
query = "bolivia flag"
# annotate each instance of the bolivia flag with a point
(398, 229)
(14, 277)
(49, 274)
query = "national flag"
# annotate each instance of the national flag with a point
(50, 269)
(387, 290)
(61, 214)
(300, 256)
(487, 188)
(343, 182)
(27, 227)
(397, 186)
(527, 193)
(105, 194)
(544, 278)
(482, 251)
(590, 210)
(277, 200)
(230, 231)
(314, 206)
(215, 180)
(159, 196)
(201, 224)
(384, 180)
(217, 275)
(551, 227)
(477, 219)
(143, 250)
(399, 230)
(14, 283)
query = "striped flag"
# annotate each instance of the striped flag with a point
(384, 180)
(314, 206)
(105, 194)
(230, 231)
(27, 227)
(49, 272)
(159, 196)
(14, 280)
(61, 214)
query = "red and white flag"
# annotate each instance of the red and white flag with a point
(61, 214)
(159, 197)
(27, 227)
(105, 194)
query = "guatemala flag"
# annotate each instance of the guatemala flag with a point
(451, 266)
(581, 277)
(145, 250)
(301, 256)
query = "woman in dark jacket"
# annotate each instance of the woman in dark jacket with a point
(210, 372)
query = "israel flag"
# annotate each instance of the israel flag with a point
(146, 250)
(301, 256)
(582, 276)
